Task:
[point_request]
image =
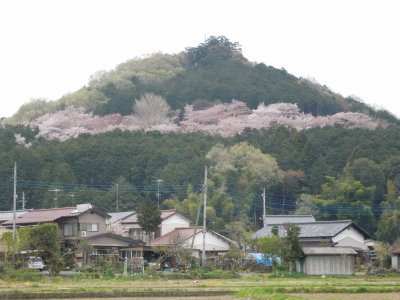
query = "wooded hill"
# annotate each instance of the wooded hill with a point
(213, 72)
(336, 171)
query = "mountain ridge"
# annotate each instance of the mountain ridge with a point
(214, 71)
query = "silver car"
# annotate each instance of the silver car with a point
(36, 263)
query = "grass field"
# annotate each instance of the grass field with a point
(256, 286)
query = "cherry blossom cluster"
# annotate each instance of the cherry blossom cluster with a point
(226, 119)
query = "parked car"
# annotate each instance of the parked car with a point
(36, 263)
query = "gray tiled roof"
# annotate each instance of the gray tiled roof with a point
(283, 219)
(316, 229)
(116, 216)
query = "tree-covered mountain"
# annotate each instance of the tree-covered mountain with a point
(214, 71)
(168, 116)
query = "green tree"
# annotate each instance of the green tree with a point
(389, 226)
(149, 217)
(271, 246)
(369, 174)
(218, 46)
(44, 238)
(243, 170)
(239, 232)
(292, 248)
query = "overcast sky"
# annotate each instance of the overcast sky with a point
(52, 47)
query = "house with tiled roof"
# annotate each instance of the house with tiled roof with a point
(329, 247)
(81, 222)
(215, 243)
(127, 224)
(340, 233)
(76, 222)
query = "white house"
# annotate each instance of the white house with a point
(215, 243)
(340, 233)
(127, 224)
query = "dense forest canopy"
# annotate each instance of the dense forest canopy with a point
(126, 145)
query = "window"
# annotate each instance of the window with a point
(70, 229)
(92, 227)
(89, 226)
(136, 233)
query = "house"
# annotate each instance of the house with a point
(329, 247)
(109, 245)
(84, 220)
(215, 243)
(340, 233)
(127, 224)
(326, 261)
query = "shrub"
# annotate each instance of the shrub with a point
(24, 274)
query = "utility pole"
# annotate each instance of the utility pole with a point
(15, 200)
(14, 212)
(72, 199)
(158, 191)
(56, 196)
(203, 257)
(117, 197)
(23, 200)
(264, 210)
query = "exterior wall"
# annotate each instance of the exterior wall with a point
(174, 221)
(327, 265)
(395, 261)
(213, 243)
(351, 243)
(93, 217)
(349, 232)
(70, 220)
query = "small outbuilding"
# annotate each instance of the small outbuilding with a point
(326, 261)
(395, 252)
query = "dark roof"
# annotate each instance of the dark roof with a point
(283, 219)
(128, 240)
(318, 229)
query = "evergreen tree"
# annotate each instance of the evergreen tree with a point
(149, 217)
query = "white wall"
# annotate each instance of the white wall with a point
(395, 261)
(344, 238)
(174, 221)
(213, 243)
(329, 265)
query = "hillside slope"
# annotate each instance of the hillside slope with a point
(214, 71)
